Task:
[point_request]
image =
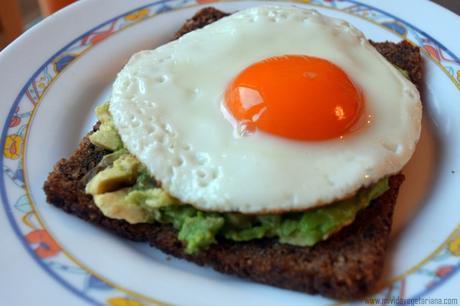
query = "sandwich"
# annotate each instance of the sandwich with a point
(267, 144)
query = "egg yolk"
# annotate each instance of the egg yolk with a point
(296, 97)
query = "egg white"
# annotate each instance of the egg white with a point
(166, 105)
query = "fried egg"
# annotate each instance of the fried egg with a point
(270, 109)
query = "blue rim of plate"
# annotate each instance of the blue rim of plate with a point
(441, 265)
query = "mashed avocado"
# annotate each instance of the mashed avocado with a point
(123, 172)
(198, 229)
(125, 190)
(404, 72)
(113, 205)
(106, 136)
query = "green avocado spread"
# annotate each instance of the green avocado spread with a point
(106, 136)
(124, 189)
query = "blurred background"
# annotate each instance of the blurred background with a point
(17, 16)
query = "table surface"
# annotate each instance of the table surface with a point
(453, 5)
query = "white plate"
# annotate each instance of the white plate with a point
(53, 76)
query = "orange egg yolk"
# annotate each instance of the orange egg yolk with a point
(296, 97)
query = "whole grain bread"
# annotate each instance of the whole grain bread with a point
(345, 266)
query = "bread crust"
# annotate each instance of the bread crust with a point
(345, 266)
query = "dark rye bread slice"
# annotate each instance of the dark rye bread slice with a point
(345, 266)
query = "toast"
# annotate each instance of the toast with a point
(345, 266)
